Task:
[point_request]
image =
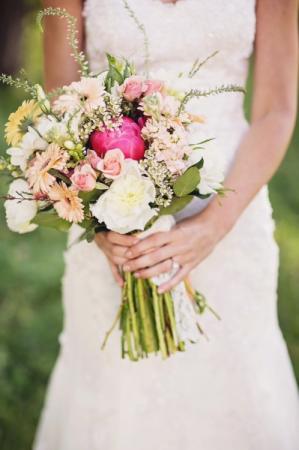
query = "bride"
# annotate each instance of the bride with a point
(237, 390)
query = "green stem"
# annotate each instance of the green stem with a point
(128, 339)
(171, 316)
(158, 324)
(146, 323)
(111, 329)
(130, 291)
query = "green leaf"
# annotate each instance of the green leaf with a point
(101, 186)
(60, 176)
(177, 205)
(199, 164)
(115, 71)
(202, 196)
(89, 197)
(204, 141)
(51, 220)
(187, 182)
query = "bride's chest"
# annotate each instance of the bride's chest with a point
(188, 28)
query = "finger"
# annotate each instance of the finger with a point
(118, 260)
(117, 276)
(153, 271)
(121, 239)
(184, 258)
(118, 250)
(151, 258)
(149, 243)
(180, 275)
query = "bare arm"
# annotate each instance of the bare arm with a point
(258, 157)
(59, 66)
(273, 108)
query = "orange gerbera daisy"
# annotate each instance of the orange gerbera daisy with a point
(40, 180)
(67, 203)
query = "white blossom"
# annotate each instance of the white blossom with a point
(30, 143)
(19, 213)
(125, 206)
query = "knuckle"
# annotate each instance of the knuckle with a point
(110, 236)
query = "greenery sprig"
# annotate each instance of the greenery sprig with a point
(72, 35)
(196, 93)
(198, 64)
(19, 83)
(141, 27)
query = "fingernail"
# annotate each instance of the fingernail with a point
(126, 268)
(137, 274)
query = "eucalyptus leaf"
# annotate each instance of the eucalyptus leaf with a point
(51, 220)
(177, 205)
(187, 182)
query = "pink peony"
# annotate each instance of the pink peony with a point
(112, 163)
(126, 138)
(153, 86)
(133, 88)
(84, 178)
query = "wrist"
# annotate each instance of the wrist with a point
(217, 218)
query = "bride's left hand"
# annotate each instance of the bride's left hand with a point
(187, 244)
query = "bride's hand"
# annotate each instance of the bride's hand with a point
(188, 243)
(115, 246)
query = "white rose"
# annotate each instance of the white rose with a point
(212, 172)
(125, 206)
(30, 143)
(20, 213)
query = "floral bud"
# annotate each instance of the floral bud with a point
(43, 100)
(69, 145)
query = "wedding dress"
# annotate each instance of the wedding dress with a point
(235, 391)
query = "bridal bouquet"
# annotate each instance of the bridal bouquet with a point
(112, 151)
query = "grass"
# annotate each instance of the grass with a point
(31, 269)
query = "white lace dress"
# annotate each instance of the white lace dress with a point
(234, 392)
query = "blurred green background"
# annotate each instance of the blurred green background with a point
(32, 265)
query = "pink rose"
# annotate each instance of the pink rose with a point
(153, 86)
(112, 163)
(84, 178)
(93, 159)
(126, 138)
(133, 88)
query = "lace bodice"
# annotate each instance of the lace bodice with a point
(201, 27)
(179, 33)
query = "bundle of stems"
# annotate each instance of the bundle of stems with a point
(147, 319)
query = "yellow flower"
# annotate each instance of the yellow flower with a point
(19, 121)
(67, 203)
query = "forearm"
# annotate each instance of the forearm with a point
(260, 154)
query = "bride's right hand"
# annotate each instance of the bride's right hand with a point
(115, 246)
